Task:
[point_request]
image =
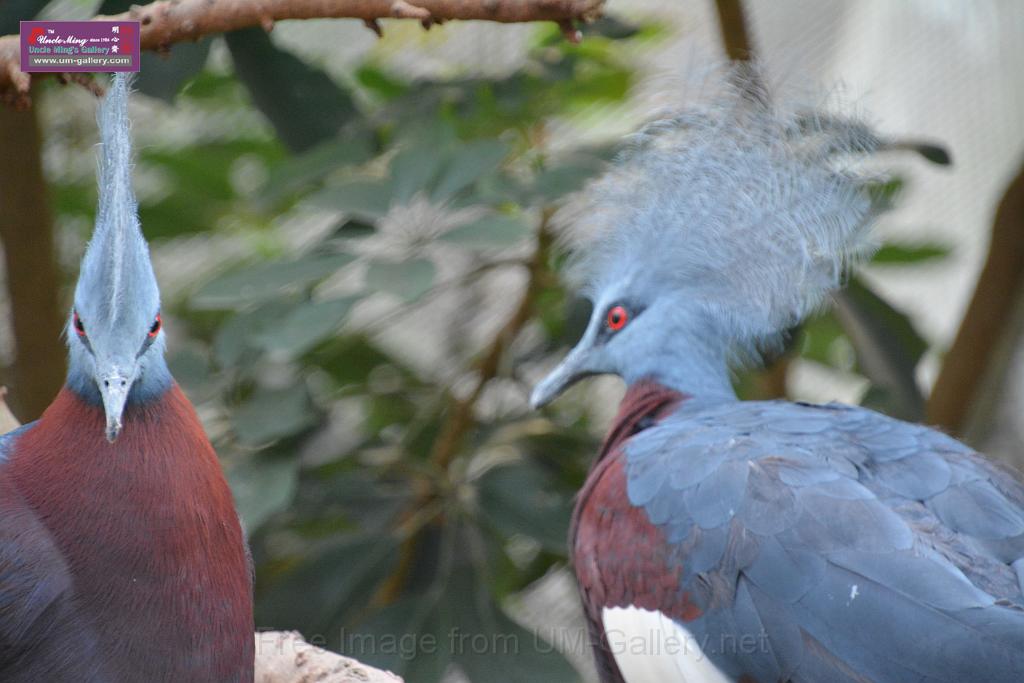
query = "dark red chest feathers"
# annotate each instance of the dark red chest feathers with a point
(620, 558)
(150, 538)
(612, 540)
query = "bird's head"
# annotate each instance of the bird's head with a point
(114, 329)
(715, 232)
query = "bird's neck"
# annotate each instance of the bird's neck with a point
(162, 460)
(646, 402)
(687, 363)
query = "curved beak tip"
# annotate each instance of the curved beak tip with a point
(558, 380)
(538, 399)
(112, 432)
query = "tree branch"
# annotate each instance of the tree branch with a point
(167, 22)
(460, 419)
(284, 657)
(733, 26)
(988, 314)
(33, 277)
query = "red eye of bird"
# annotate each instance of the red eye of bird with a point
(156, 326)
(79, 326)
(617, 318)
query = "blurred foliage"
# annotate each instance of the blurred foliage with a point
(395, 504)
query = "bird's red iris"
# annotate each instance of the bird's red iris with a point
(155, 329)
(79, 326)
(617, 317)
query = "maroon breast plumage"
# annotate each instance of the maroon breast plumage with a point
(620, 558)
(146, 556)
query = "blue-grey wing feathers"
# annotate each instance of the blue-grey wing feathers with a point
(856, 547)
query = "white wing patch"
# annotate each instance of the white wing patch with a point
(650, 647)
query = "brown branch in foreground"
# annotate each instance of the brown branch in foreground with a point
(988, 314)
(735, 34)
(167, 22)
(772, 380)
(460, 419)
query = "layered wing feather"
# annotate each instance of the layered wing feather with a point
(850, 546)
(36, 610)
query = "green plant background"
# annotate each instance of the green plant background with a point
(362, 352)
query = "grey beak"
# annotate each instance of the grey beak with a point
(114, 389)
(574, 368)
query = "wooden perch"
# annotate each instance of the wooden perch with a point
(7, 420)
(167, 22)
(284, 657)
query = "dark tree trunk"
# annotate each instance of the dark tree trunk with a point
(26, 229)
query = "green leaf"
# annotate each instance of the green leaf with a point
(609, 84)
(303, 103)
(333, 581)
(232, 338)
(366, 198)
(823, 340)
(412, 169)
(520, 499)
(197, 180)
(377, 80)
(263, 485)
(491, 648)
(196, 169)
(409, 638)
(910, 253)
(162, 76)
(306, 326)
(495, 230)
(609, 27)
(190, 367)
(264, 281)
(273, 414)
(349, 359)
(408, 280)
(883, 193)
(561, 180)
(937, 154)
(213, 87)
(887, 346)
(354, 228)
(299, 173)
(467, 164)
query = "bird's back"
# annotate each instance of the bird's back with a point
(845, 544)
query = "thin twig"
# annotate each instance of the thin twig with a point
(460, 418)
(734, 29)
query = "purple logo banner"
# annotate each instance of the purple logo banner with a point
(79, 46)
